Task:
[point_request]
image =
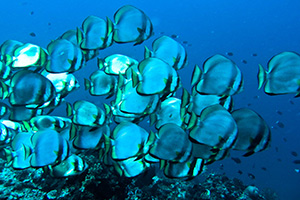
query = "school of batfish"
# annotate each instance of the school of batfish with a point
(194, 130)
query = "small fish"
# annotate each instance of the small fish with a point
(86, 113)
(101, 83)
(64, 56)
(294, 153)
(280, 124)
(284, 139)
(291, 102)
(23, 93)
(185, 42)
(254, 54)
(263, 168)
(29, 55)
(244, 61)
(240, 172)
(229, 54)
(167, 77)
(210, 134)
(254, 133)
(97, 33)
(116, 64)
(32, 34)
(188, 169)
(169, 50)
(237, 160)
(278, 112)
(221, 167)
(174, 36)
(32, 12)
(123, 133)
(218, 67)
(296, 162)
(279, 160)
(73, 165)
(172, 144)
(131, 25)
(251, 176)
(169, 112)
(282, 76)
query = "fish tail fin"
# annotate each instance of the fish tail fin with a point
(118, 169)
(185, 98)
(79, 36)
(183, 112)
(107, 143)
(107, 109)
(26, 126)
(69, 109)
(110, 26)
(153, 119)
(27, 151)
(5, 91)
(87, 84)
(135, 78)
(7, 59)
(100, 63)
(298, 90)
(43, 57)
(73, 132)
(9, 155)
(261, 76)
(197, 73)
(162, 164)
(192, 121)
(151, 138)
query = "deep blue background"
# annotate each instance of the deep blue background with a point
(214, 26)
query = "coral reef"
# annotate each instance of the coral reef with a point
(102, 182)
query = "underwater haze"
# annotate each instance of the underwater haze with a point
(247, 32)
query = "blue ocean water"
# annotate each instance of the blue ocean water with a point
(242, 27)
